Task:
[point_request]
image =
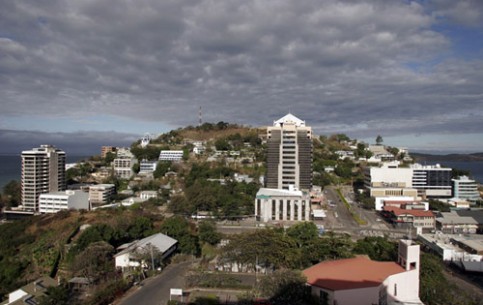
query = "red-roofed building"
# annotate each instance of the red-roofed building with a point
(416, 218)
(362, 281)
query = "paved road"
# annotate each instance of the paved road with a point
(155, 291)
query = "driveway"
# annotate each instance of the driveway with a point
(155, 291)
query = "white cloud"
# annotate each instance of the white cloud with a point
(356, 66)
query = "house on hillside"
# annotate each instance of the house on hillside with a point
(30, 293)
(156, 247)
(362, 281)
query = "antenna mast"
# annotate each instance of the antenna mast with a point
(199, 117)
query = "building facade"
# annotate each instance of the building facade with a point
(123, 164)
(43, 171)
(428, 181)
(465, 188)
(362, 281)
(101, 193)
(282, 205)
(60, 201)
(171, 155)
(289, 154)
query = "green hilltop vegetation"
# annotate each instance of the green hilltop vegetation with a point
(62, 245)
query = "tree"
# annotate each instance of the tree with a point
(207, 233)
(379, 140)
(161, 169)
(377, 248)
(12, 193)
(95, 261)
(286, 287)
(55, 295)
(179, 228)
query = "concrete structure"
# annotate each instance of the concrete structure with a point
(157, 246)
(362, 281)
(466, 251)
(460, 221)
(431, 181)
(43, 171)
(282, 205)
(147, 166)
(402, 202)
(101, 193)
(61, 201)
(123, 164)
(145, 195)
(289, 154)
(465, 188)
(107, 149)
(171, 155)
(423, 220)
(30, 293)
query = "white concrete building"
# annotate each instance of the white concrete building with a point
(362, 281)
(145, 195)
(123, 164)
(61, 201)
(465, 188)
(282, 205)
(158, 246)
(171, 155)
(43, 171)
(429, 181)
(147, 166)
(101, 193)
(30, 293)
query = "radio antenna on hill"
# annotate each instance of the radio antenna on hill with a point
(199, 117)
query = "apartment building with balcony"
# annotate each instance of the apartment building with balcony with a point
(43, 171)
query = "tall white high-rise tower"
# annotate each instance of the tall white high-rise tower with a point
(43, 171)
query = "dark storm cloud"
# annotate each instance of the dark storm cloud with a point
(343, 66)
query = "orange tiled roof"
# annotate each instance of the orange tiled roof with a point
(416, 213)
(352, 273)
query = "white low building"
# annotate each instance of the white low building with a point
(101, 193)
(171, 155)
(157, 246)
(30, 293)
(282, 205)
(145, 195)
(465, 188)
(147, 166)
(362, 281)
(66, 200)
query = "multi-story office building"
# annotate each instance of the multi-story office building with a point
(123, 164)
(61, 201)
(432, 181)
(101, 193)
(289, 154)
(43, 171)
(465, 188)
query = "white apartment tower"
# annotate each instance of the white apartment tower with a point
(43, 171)
(289, 154)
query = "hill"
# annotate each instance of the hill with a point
(475, 157)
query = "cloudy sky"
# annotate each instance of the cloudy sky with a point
(108, 71)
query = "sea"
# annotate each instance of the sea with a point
(11, 167)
